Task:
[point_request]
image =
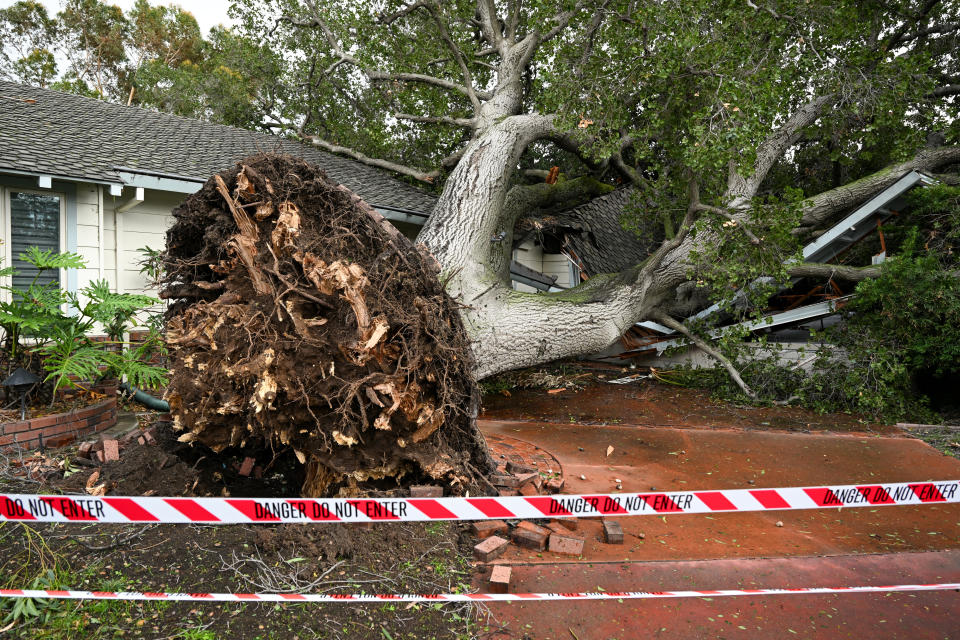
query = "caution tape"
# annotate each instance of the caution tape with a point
(455, 597)
(37, 508)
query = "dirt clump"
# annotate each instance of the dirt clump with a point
(302, 321)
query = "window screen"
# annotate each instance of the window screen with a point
(34, 221)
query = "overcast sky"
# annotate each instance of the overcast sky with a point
(208, 13)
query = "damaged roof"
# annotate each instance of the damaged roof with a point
(594, 232)
(70, 136)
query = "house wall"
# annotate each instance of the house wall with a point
(143, 225)
(530, 254)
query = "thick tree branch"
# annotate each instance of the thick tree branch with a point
(946, 27)
(822, 207)
(739, 188)
(668, 321)
(836, 271)
(419, 174)
(948, 90)
(490, 26)
(670, 244)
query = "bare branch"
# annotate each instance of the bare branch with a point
(723, 213)
(419, 174)
(668, 321)
(393, 17)
(382, 76)
(376, 75)
(457, 55)
(469, 123)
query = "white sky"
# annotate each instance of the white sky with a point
(208, 13)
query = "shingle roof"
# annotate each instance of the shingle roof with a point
(595, 233)
(71, 136)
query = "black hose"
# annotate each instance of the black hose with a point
(145, 399)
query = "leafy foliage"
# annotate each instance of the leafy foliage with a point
(47, 329)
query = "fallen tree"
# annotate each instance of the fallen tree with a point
(741, 127)
(301, 319)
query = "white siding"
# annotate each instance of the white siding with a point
(145, 225)
(530, 254)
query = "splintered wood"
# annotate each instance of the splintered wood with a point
(304, 323)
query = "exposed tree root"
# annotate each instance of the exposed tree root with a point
(303, 320)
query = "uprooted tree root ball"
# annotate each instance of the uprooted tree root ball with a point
(303, 320)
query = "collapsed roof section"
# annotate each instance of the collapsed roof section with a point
(593, 234)
(828, 246)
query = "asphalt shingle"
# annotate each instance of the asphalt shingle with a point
(596, 234)
(44, 131)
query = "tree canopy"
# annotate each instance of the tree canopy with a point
(151, 56)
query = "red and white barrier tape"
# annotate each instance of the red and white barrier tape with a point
(37, 508)
(453, 597)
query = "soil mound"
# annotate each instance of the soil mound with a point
(303, 321)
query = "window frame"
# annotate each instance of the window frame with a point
(6, 226)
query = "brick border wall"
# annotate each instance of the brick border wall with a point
(59, 429)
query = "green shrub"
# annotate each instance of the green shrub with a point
(48, 330)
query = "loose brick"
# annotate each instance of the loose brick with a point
(502, 480)
(111, 450)
(529, 540)
(519, 467)
(567, 544)
(130, 436)
(500, 579)
(426, 491)
(555, 485)
(149, 436)
(85, 449)
(529, 526)
(612, 532)
(530, 536)
(526, 478)
(486, 528)
(572, 524)
(490, 549)
(247, 466)
(556, 527)
(529, 490)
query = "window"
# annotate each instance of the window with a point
(30, 218)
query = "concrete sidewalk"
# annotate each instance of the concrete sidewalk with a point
(766, 549)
